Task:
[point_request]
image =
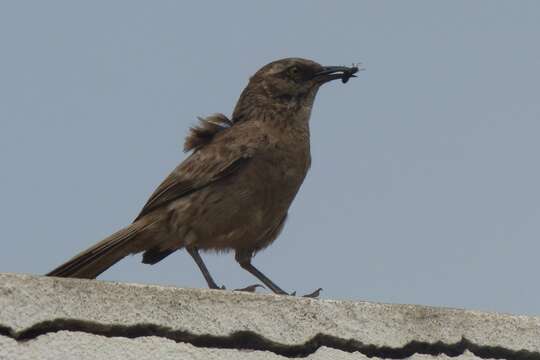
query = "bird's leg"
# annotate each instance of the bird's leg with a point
(245, 262)
(194, 252)
(244, 259)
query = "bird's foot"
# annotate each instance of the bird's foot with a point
(215, 287)
(250, 288)
(315, 294)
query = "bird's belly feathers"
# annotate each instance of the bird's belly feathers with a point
(243, 210)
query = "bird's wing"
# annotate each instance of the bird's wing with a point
(198, 171)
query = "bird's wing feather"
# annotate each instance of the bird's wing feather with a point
(196, 172)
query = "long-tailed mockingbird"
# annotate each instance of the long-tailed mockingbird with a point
(235, 188)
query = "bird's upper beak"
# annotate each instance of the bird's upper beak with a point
(329, 73)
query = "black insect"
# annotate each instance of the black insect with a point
(350, 73)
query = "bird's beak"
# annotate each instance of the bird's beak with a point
(329, 73)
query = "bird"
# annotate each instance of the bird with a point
(234, 189)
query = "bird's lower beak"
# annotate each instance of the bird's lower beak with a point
(330, 73)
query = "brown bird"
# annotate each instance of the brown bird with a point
(234, 190)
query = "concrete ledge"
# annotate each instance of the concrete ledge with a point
(51, 318)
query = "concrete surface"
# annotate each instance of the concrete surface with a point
(73, 345)
(53, 318)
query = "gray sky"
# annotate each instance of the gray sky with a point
(425, 180)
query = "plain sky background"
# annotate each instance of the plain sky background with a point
(425, 180)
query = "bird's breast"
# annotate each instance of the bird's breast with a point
(282, 168)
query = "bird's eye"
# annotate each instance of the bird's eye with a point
(294, 71)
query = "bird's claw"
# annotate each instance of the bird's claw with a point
(250, 288)
(315, 294)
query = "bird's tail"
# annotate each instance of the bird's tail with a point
(98, 258)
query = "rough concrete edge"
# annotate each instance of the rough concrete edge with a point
(45, 314)
(82, 346)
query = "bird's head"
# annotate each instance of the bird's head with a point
(295, 77)
(291, 82)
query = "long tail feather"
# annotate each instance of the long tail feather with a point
(98, 258)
